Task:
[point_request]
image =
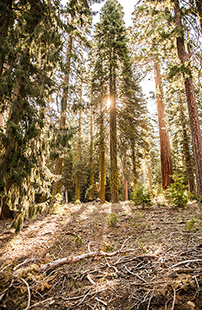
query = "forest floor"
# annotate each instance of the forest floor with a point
(153, 259)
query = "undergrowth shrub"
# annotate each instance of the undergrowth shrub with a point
(177, 192)
(141, 196)
(111, 220)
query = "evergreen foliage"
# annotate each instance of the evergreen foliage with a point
(141, 196)
(177, 192)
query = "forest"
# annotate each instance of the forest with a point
(100, 192)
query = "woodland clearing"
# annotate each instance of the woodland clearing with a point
(152, 259)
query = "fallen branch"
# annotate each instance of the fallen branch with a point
(29, 294)
(72, 259)
(186, 262)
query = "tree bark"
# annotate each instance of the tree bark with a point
(166, 157)
(91, 194)
(135, 174)
(125, 181)
(191, 102)
(102, 154)
(150, 179)
(78, 168)
(113, 138)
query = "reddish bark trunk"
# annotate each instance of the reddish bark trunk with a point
(191, 102)
(166, 157)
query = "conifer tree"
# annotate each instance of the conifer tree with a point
(32, 48)
(112, 44)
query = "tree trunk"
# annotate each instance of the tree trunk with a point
(102, 154)
(150, 179)
(125, 181)
(59, 163)
(78, 168)
(166, 158)
(91, 194)
(113, 138)
(199, 11)
(135, 174)
(191, 102)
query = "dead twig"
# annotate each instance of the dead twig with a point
(29, 294)
(186, 262)
(101, 301)
(2, 270)
(4, 291)
(90, 279)
(174, 297)
(41, 302)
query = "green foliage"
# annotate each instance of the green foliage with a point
(78, 240)
(177, 194)
(141, 196)
(111, 220)
(191, 227)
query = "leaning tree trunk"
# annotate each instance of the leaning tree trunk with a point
(166, 157)
(191, 102)
(113, 138)
(59, 163)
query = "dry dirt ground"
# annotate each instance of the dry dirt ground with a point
(153, 259)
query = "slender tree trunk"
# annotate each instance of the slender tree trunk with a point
(199, 11)
(78, 172)
(102, 153)
(135, 174)
(150, 179)
(59, 163)
(125, 181)
(166, 158)
(191, 102)
(91, 194)
(113, 138)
